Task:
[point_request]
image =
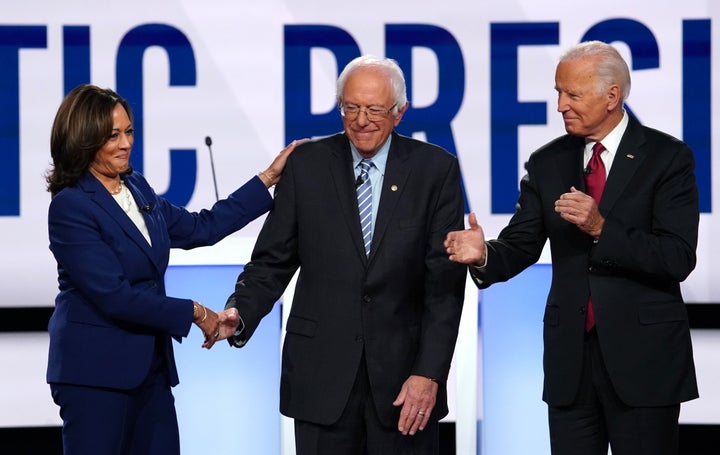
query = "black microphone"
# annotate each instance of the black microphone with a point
(147, 207)
(358, 181)
(587, 171)
(208, 142)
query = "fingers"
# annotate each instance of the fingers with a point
(210, 339)
(272, 174)
(210, 326)
(417, 398)
(291, 146)
(231, 315)
(414, 419)
(423, 419)
(472, 220)
(211, 336)
(230, 323)
(218, 326)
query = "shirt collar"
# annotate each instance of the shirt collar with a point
(379, 159)
(611, 142)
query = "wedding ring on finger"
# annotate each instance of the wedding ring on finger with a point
(421, 413)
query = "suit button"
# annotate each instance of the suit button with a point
(359, 338)
(582, 310)
(590, 268)
(367, 299)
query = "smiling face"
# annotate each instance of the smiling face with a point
(113, 158)
(589, 110)
(369, 88)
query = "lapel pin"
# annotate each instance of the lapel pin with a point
(632, 157)
(393, 187)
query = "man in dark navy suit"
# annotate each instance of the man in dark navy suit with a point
(377, 305)
(619, 203)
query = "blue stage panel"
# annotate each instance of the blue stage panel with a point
(227, 400)
(514, 415)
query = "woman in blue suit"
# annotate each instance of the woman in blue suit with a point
(111, 364)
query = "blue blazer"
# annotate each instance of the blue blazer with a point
(112, 306)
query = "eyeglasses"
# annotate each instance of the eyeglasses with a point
(373, 113)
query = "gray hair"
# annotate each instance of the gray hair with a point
(386, 65)
(611, 67)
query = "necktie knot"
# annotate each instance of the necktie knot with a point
(595, 174)
(597, 149)
(365, 166)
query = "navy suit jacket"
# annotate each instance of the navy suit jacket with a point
(400, 306)
(112, 308)
(633, 270)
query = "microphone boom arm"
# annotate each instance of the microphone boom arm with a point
(208, 142)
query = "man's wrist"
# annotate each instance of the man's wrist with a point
(481, 267)
(238, 338)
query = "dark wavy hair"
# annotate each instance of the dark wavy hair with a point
(83, 124)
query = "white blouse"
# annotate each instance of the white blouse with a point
(127, 202)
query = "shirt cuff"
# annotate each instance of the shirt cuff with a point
(238, 339)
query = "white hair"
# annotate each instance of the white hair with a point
(385, 65)
(611, 67)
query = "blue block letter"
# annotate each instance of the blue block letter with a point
(12, 39)
(505, 111)
(181, 59)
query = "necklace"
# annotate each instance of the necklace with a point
(123, 198)
(117, 190)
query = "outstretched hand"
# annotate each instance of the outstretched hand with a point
(272, 174)
(468, 246)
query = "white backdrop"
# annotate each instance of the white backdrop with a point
(238, 96)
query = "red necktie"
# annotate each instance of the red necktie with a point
(594, 183)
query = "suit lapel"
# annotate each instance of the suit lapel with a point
(102, 198)
(628, 158)
(150, 217)
(341, 170)
(397, 171)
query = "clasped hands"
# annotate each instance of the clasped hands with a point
(215, 325)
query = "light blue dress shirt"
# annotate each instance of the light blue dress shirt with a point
(376, 173)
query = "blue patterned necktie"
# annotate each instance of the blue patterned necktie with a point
(364, 196)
